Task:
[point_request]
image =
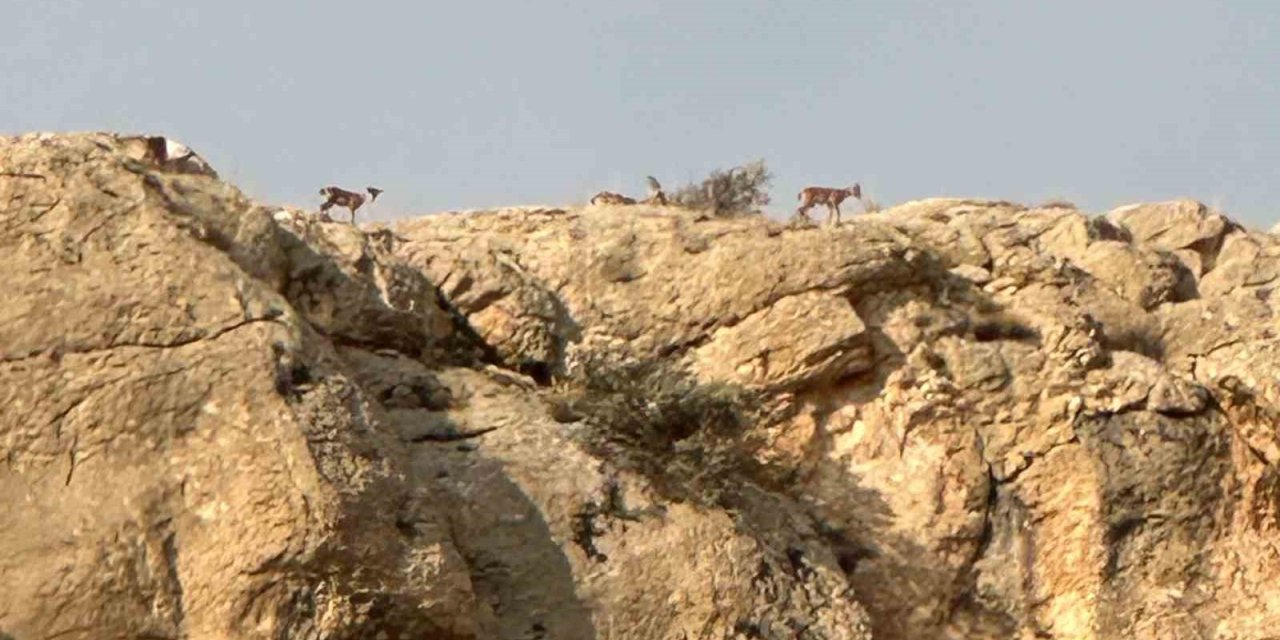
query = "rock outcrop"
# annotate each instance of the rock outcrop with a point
(225, 422)
(992, 412)
(948, 419)
(185, 455)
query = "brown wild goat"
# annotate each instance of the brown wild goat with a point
(832, 198)
(656, 195)
(609, 197)
(348, 199)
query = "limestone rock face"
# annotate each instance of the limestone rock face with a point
(948, 419)
(184, 454)
(658, 283)
(1185, 227)
(344, 281)
(800, 340)
(1002, 419)
(567, 544)
(223, 422)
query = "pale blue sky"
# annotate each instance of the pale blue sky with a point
(475, 104)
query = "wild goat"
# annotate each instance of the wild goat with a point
(609, 197)
(166, 154)
(832, 198)
(656, 196)
(348, 199)
(160, 150)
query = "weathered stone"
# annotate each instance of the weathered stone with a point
(184, 456)
(967, 419)
(604, 276)
(224, 425)
(1175, 225)
(807, 338)
(1248, 260)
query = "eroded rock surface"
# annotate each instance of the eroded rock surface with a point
(963, 418)
(1006, 421)
(225, 422)
(184, 454)
(660, 283)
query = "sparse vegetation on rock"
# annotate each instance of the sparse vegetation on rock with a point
(742, 189)
(692, 440)
(954, 419)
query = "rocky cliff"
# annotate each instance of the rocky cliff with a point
(950, 419)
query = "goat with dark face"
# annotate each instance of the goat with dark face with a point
(349, 199)
(810, 196)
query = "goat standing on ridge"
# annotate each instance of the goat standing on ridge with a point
(832, 198)
(349, 199)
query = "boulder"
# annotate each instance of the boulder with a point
(1185, 227)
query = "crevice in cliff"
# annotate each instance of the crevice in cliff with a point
(170, 547)
(456, 436)
(1030, 457)
(1240, 403)
(205, 335)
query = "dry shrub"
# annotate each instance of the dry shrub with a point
(690, 439)
(739, 190)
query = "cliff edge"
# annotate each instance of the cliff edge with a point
(950, 419)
